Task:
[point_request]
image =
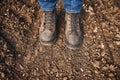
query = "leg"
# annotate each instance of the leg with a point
(72, 6)
(73, 33)
(47, 30)
(48, 5)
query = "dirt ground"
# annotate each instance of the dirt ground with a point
(22, 57)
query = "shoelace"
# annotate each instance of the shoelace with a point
(74, 22)
(49, 23)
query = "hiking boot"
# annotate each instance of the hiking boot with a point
(47, 30)
(73, 34)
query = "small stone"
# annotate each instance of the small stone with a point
(2, 74)
(117, 42)
(95, 30)
(96, 72)
(111, 75)
(37, 79)
(23, 74)
(118, 36)
(105, 68)
(96, 64)
(102, 46)
(57, 75)
(21, 67)
(103, 53)
(65, 78)
(81, 69)
(112, 67)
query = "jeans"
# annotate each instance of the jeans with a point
(71, 6)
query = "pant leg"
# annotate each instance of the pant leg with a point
(48, 5)
(72, 6)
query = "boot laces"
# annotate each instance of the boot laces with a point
(73, 22)
(49, 20)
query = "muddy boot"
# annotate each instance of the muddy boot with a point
(73, 34)
(47, 30)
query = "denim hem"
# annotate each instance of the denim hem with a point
(48, 9)
(72, 11)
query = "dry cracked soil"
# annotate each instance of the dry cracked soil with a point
(22, 57)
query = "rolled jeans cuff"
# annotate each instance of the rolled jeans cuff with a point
(72, 11)
(48, 9)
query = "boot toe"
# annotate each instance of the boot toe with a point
(46, 36)
(73, 39)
